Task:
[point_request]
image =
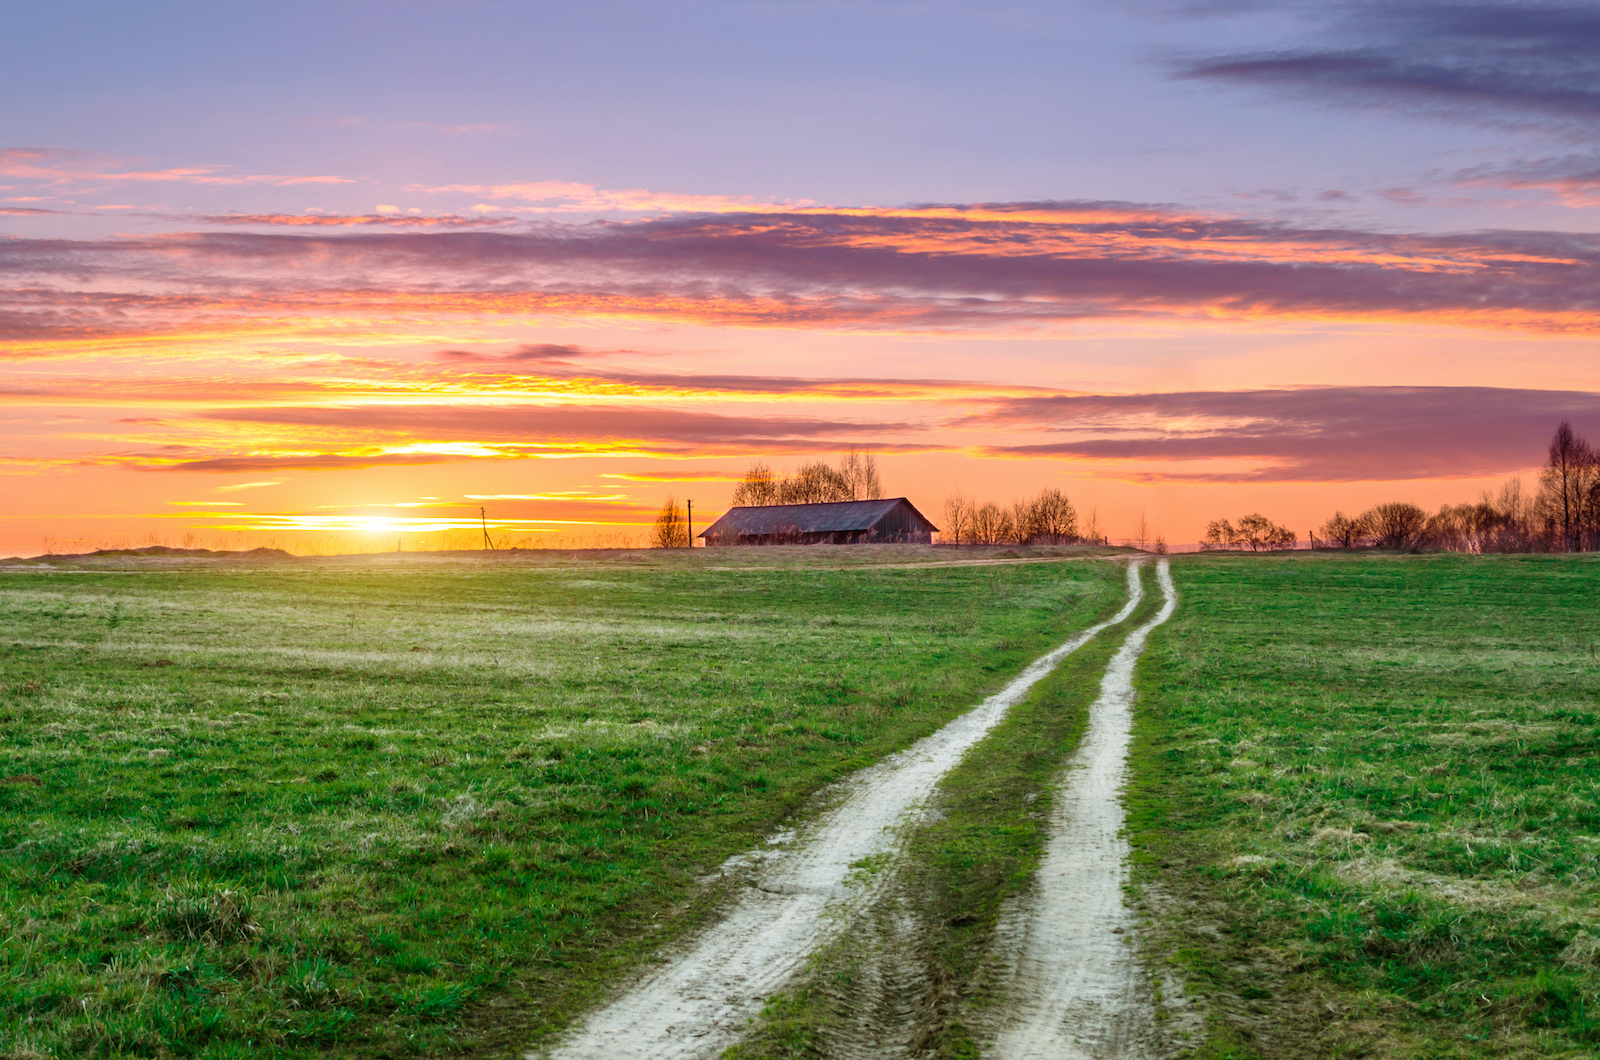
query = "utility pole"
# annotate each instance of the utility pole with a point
(691, 524)
(488, 542)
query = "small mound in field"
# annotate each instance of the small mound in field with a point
(1339, 835)
(197, 913)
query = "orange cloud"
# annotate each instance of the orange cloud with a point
(322, 220)
(986, 268)
(553, 196)
(58, 166)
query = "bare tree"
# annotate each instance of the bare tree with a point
(1449, 529)
(1568, 454)
(958, 518)
(1048, 518)
(1503, 522)
(860, 473)
(991, 525)
(1220, 534)
(1091, 529)
(757, 489)
(671, 530)
(1255, 532)
(1341, 531)
(1397, 525)
(1589, 530)
(814, 483)
(1144, 533)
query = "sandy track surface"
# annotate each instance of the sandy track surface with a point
(932, 564)
(1077, 988)
(704, 997)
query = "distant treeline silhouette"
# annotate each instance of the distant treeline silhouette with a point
(1255, 532)
(1047, 519)
(1564, 516)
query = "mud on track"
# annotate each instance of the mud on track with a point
(703, 998)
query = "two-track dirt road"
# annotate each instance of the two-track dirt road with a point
(1076, 989)
(805, 892)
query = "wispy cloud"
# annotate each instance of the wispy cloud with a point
(238, 486)
(514, 514)
(679, 476)
(554, 196)
(58, 166)
(1572, 178)
(474, 128)
(321, 220)
(285, 437)
(562, 424)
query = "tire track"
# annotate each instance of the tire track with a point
(1076, 988)
(700, 1002)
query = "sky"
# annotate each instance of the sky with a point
(339, 276)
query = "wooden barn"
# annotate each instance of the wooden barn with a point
(840, 523)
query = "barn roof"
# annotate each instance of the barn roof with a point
(808, 518)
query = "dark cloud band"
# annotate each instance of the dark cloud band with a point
(1486, 59)
(1313, 435)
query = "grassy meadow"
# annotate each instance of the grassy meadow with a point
(1367, 806)
(426, 806)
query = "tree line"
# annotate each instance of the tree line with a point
(855, 479)
(1563, 516)
(1048, 518)
(1254, 532)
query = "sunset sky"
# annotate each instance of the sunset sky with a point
(335, 275)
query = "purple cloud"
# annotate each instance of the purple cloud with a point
(1490, 60)
(1327, 434)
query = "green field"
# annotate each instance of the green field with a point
(435, 805)
(1367, 813)
(431, 806)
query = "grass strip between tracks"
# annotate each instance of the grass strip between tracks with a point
(979, 849)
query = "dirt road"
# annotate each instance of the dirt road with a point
(1076, 989)
(802, 893)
